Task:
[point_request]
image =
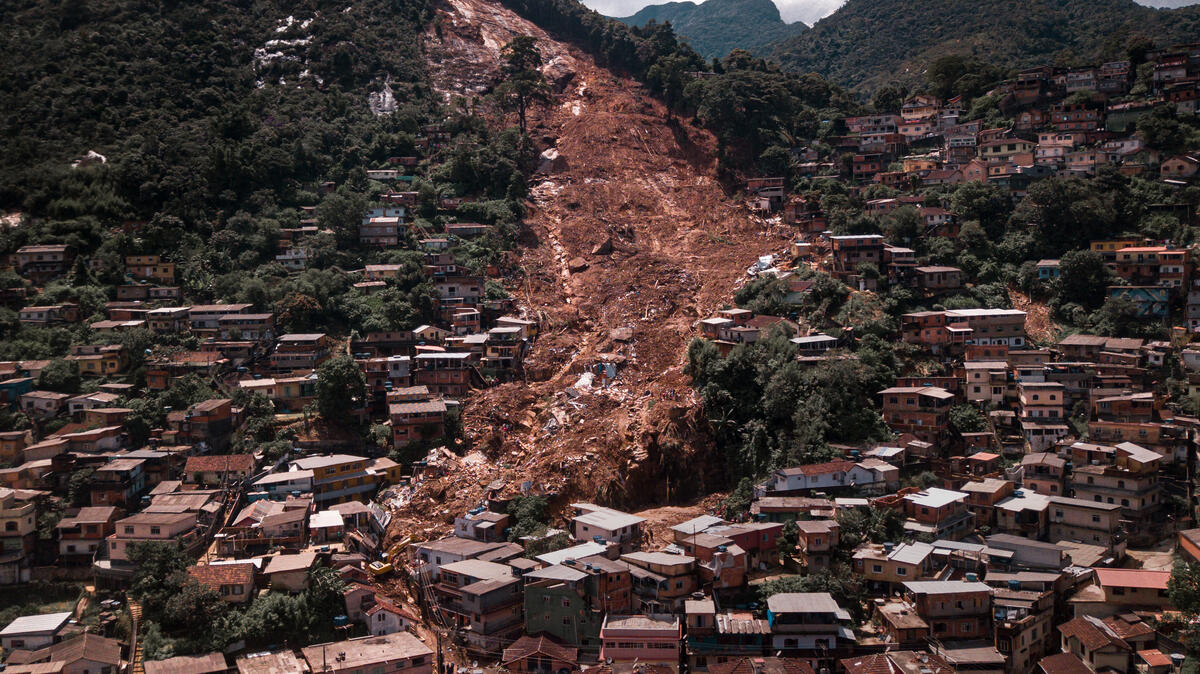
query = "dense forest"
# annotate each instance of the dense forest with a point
(868, 43)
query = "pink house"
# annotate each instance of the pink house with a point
(647, 639)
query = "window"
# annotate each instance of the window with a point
(901, 571)
(877, 568)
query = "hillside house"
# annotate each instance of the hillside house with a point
(613, 526)
(937, 511)
(953, 609)
(923, 411)
(42, 263)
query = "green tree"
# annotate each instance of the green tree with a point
(79, 485)
(789, 538)
(1183, 589)
(984, 203)
(529, 516)
(61, 376)
(1083, 278)
(522, 84)
(341, 389)
(342, 212)
(193, 604)
(888, 99)
(737, 504)
(868, 525)
(159, 573)
(966, 418)
(545, 544)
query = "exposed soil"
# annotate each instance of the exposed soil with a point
(629, 241)
(1039, 325)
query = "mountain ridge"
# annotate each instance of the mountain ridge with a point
(868, 43)
(715, 27)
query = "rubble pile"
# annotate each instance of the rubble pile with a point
(635, 240)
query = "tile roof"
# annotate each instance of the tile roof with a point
(826, 468)
(1063, 663)
(88, 646)
(219, 463)
(1092, 633)
(527, 646)
(210, 663)
(1155, 658)
(216, 575)
(1128, 629)
(1138, 578)
(761, 666)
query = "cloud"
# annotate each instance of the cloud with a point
(808, 11)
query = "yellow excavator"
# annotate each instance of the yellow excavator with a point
(387, 562)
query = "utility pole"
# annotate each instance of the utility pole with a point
(440, 658)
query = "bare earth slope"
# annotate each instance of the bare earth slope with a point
(630, 241)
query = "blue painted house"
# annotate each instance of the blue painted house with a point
(1151, 301)
(1047, 269)
(11, 390)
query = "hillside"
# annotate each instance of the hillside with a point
(224, 101)
(716, 27)
(867, 43)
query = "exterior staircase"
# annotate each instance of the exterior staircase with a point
(138, 665)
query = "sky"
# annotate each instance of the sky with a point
(808, 11)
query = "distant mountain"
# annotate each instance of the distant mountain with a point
(1168, 4)
(867, 43)
(716, 27)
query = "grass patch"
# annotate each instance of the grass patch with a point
(38, 597)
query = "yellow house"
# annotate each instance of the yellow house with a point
(1109, 247)
(150, 267)
(98, 360)
(913, 164)
(11, 444)
(338, 478)
(387, 470)
(1004, 147)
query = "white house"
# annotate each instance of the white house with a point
(829, 475)
(32, 632)
(387, 618)
(592, 521)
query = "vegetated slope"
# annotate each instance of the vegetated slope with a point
(866, 43)
(716, 27)
(197, 106)
(669, 247)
